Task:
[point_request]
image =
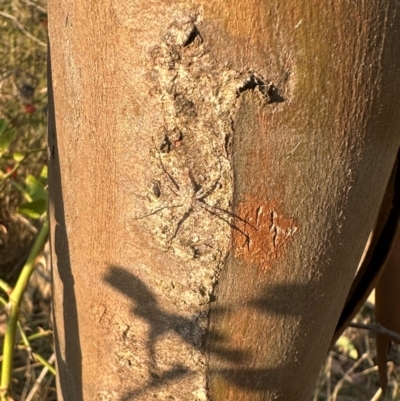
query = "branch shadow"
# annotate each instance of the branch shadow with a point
(70, 368)
(269, 300)
(274, 299)
(146, 306)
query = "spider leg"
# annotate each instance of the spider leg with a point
(180, 222)
(209, 208)
(201, 196)
(233, 215)
(169, 175)
(156, 211)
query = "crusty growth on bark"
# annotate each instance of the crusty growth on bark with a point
(190, 198)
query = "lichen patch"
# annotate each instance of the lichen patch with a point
(190, 197)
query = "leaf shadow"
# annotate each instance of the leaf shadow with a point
(146, 307)
(273, 300)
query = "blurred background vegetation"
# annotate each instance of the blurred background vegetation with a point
(23, 99)
(23, 176)
(349, 372)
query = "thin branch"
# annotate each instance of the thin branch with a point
(328, 377)
(365, 372)
(41, 9)
(26, 223)
(347, 377)
(20, 26)
(378, 328)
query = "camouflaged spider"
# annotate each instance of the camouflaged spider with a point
(198, 198)
(199, 195)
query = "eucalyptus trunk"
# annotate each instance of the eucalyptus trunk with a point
(216, 169)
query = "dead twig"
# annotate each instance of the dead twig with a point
(347, 377)
(378, 328)
(32, 4)
(39, 380)
(20, 26)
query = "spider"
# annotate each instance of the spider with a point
(197, 197)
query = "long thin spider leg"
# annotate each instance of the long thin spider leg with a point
(235, 227)
(180, 222)
(168, 174)
(196, 186)
(201, 196)
(156, 211)
(235, 216)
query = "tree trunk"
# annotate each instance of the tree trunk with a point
(216, 168)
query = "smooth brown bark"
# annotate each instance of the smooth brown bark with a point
(232, 153)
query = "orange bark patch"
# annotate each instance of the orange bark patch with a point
(261, 234)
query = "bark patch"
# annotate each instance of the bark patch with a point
(262, 233)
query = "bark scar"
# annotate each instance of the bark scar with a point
(264, 235)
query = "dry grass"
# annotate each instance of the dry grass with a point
(350, 372)
(22, 101)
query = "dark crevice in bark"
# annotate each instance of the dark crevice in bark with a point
(268, 89)
(69, 365)
(192, 37)
(367, 276)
